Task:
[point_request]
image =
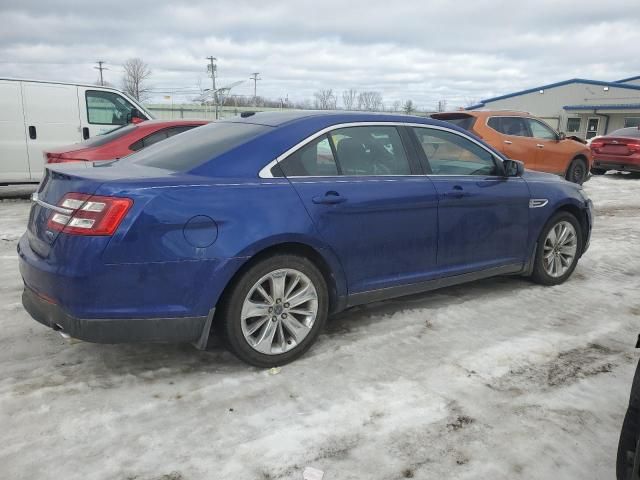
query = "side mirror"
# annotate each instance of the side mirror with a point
(513, 168)
(561, 136)
(134, 116)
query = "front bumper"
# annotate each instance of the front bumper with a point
(116, 330)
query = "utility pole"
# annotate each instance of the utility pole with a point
(101, 68)
(254, 77)
(212, 69)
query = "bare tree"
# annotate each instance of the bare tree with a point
(370, 100)
(349, 98)
(409, 107)
(325, 99)
(134, 82)
(470, 102)
(395, 106)
(442, 105)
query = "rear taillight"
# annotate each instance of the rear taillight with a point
(59, 158)
(597, 144)
(633, 147)
(89, 214)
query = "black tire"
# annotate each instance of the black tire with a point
(598, 171)
(539, 275)
(228, 317)
(577, 171)
(628, 446)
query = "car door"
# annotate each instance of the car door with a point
(515, 139)
(368, 203)
(52, 120)
(483, 216)
(551, 154)
(14, 160)
(102, 111)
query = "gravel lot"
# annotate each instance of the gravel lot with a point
(496, 379)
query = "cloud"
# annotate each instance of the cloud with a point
(423, 50)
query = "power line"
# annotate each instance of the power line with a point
(101, 68)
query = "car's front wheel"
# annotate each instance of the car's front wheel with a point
(577, 172)
(275, 310)
(559, 247)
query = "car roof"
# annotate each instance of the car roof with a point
(484, 113)
(324, 118)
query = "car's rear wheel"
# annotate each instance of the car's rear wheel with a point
(598, 171)
(628, 461)
(275, 311)
(577, 171)
(559, 247)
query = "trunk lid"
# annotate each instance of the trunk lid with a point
(616, 146)
(78, 177)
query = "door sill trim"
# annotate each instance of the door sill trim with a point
(370, 296)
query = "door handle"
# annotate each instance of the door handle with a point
(508, 142)
(85, 133)
(32, 132)
(456, 192)
(329, 198)
(539, 145)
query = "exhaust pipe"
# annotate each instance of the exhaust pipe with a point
(71, 340)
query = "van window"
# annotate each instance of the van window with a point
(107, 108)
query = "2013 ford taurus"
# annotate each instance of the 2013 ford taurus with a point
(260, 227)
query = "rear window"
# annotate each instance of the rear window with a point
(625, 132)
(190, 149)
(462, 121)
(110, 136)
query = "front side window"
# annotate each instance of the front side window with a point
(540, 130)
(515, 126)
(573, 125)
(107, 108)
(370, 150)
(315, 159)
(452, 154)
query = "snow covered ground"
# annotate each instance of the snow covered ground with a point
(499, 379)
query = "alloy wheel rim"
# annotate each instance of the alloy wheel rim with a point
(279, 311)
(560, 248)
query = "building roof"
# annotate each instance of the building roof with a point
(637, 77)
(554, 85)
(619, 106)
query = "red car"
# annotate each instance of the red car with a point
(121, 142)
(619, 150)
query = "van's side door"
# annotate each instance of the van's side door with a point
(14, 160)
(102, 110)
(51, 118)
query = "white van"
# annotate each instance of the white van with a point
(36, 116)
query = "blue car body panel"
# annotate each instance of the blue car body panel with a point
(189, 233)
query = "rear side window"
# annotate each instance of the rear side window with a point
(515, 126)
(313, 160)
(372, 150)
(190, 149)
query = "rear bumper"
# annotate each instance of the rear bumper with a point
(116, 330)
(629, 163)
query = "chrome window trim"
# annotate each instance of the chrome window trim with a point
(265, 172)
(55, 208)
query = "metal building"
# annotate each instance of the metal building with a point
(580, 107)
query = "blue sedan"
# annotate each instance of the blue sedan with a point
(260, 226)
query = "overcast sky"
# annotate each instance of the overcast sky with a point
(422, 50)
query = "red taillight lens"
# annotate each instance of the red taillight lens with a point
(597, 144)
(633, 147)
(59, 158)
(90, 214)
